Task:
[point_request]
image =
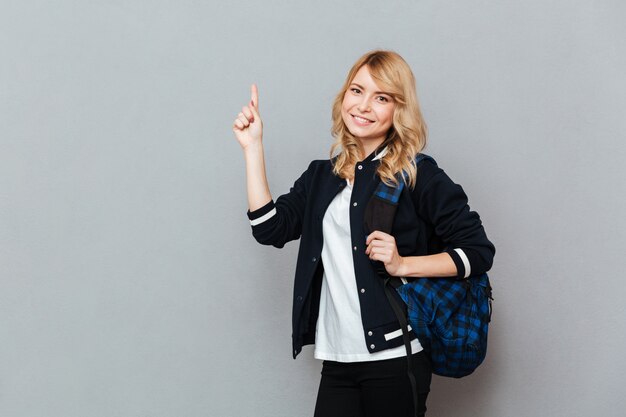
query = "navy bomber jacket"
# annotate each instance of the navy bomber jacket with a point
(433, 217)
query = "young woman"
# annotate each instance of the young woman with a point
(339, 302)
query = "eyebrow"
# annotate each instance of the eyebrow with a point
(375, 92)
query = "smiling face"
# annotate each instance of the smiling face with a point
(367, 110)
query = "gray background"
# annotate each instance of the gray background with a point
(130, 283)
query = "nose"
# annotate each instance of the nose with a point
(364, 104)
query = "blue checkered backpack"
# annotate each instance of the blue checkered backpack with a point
(450, 317)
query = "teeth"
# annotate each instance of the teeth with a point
(361, 119)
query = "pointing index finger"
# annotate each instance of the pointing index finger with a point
(255, 95)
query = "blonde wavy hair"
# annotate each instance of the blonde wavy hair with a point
(407, 135)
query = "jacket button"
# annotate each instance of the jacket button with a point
(314, 259)
(372, 346)
(362, 290)
(299, 298)
(360, 166)
(354, 204)
(370, 333)
(354, 248)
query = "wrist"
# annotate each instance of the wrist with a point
(254, 146)
(402, 267)
(253, 149)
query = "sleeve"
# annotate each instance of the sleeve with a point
(277, 223)
(445, 205)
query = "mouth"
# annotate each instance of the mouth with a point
(361, 120)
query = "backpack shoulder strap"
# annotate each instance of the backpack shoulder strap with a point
(379, 214)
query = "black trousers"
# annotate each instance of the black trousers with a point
(373, 389)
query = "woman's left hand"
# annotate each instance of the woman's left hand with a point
(382, 247)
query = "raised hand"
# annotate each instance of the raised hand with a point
(248, 127)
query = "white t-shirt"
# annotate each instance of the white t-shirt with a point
(339, 333)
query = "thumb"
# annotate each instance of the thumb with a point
(255, 111)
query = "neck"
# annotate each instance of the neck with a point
(370, 146)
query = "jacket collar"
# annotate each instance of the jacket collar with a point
(377, 154)
(380, 154)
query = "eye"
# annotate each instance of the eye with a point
(383, 99)
(355, 90)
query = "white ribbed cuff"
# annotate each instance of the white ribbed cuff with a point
(264, 217)
(466, 262)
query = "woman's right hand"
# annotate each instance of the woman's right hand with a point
(248, 127)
